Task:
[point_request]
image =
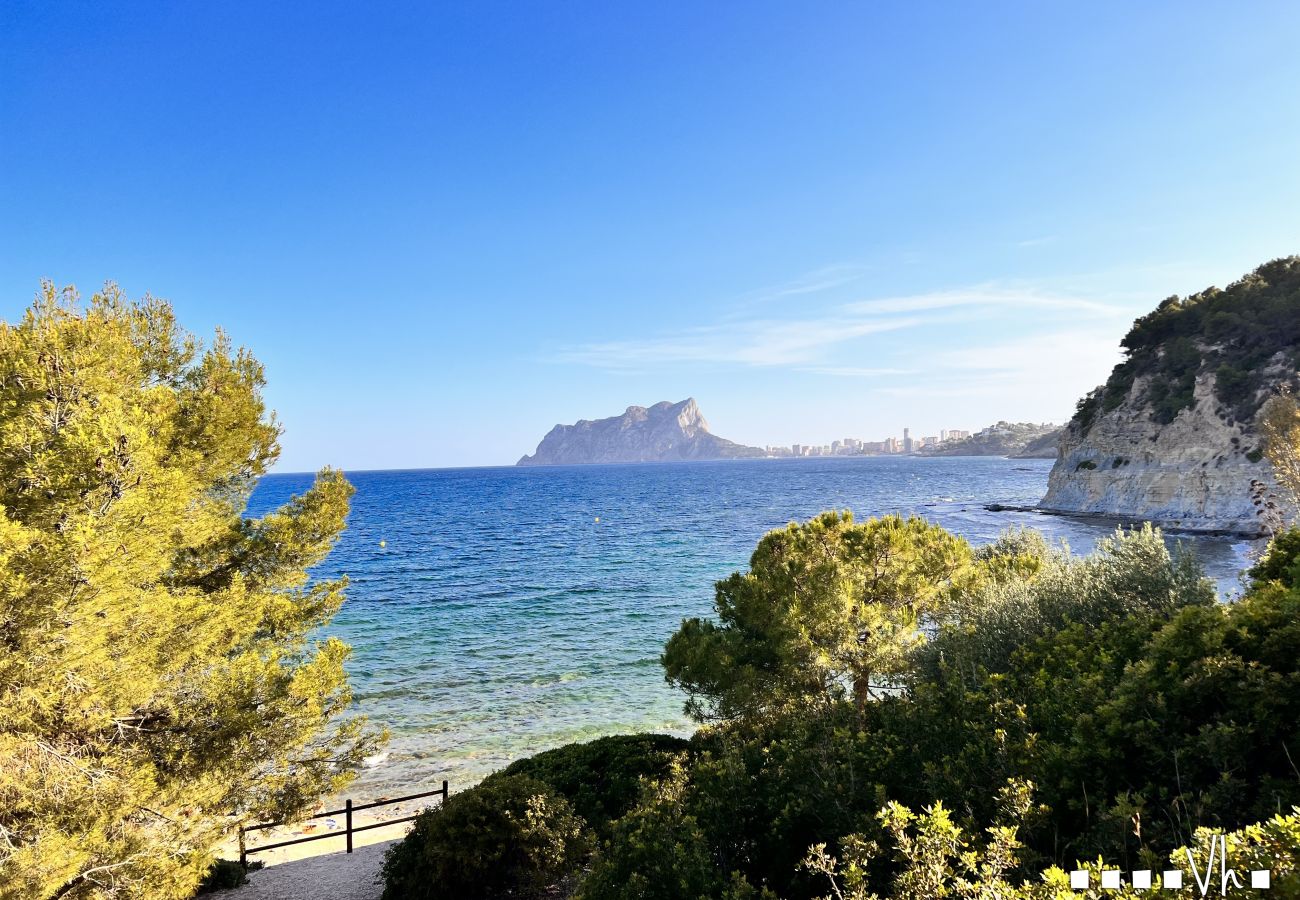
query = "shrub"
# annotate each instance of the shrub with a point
(1282, 561)
(937, 859)
(601, 778)
(509, 836)
(659, 851)
(226, 874)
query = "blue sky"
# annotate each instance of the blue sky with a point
(445, 228)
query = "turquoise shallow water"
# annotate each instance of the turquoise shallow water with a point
(501, 618)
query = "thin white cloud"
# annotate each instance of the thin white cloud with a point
(1035, 370)
(823, 279)
(808, 341)
(1037, 242)
(761, 343)
(856, 371)
(819, 281)
(988, 296)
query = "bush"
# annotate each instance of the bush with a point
(659, 851)
(601, 777)
(226, 874)
(1282, 561)
(509, 836)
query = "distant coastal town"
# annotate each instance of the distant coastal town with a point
(906, 444)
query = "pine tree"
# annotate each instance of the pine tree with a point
(158, 665)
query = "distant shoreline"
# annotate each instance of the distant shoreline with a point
(656, 462)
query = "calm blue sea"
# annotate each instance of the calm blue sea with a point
(498, 612)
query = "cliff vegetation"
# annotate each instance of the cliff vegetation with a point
(1245, 334)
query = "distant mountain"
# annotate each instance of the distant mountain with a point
(1021, 440)
(663, 433)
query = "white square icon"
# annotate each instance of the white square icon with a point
(1173, 879)
(1110, 880)
(1261, 878)
(1079, 880)
(1142, 879)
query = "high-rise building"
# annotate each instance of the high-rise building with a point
(907, 441)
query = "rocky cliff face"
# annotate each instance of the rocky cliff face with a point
(1172, 436)
(1198, 472)
(662, 433)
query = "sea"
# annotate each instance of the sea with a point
(498, 612)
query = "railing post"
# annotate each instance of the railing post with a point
(444, 792)
(347, 808)
(243, 850)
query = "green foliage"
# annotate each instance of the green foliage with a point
(509, 836)
(937, 861)
(827, 606)
(602, 778)
(1201, 728)
(1017, 555)
(1280, 426)
(1085, 412)
(1281, 562)
(1140, 707)
(1234, 333)
(1140, 710)
(225, 874)
(157, 672)
(658, 851)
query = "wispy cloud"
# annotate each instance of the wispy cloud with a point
(989, 296)
(825, 280)
(1047, 366)
(1037, 241)
(759, 343)
(856, 371)
(809, 342)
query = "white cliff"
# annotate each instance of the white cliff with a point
(1198, 473)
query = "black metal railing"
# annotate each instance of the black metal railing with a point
(348, 829)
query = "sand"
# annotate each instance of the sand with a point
(333, 876)
(325, 846)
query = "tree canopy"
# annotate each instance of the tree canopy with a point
(158, 670)
(827, 606)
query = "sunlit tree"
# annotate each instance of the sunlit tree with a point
(157, 670)
(828, 607)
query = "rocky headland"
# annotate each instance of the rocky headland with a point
(665, 432)
(1019, 440)
(1172, 437)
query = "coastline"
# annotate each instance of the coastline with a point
(1131, 521)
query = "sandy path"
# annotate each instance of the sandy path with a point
(332, 876)
(324, 847)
